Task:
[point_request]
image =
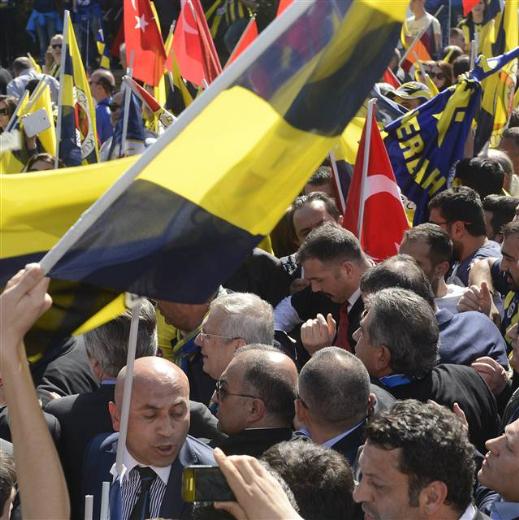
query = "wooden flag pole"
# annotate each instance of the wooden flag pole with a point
(365, 165)
(335, 170)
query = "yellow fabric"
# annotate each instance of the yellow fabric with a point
(108, 313)
(77, 91)
(38, 208)
(34, 64)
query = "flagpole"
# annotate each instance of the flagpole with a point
(223, 81)
(365, 165)
(335, 171)
(126, 114)
(61, 88)
(242, 37)
(127, 389)
(418, 36)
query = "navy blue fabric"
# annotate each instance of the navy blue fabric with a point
(103, 121)
(100, 458)
(468, 335)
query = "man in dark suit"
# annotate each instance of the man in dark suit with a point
(83, 416)
(255, 397)
(417, 463)
(335, 400)
(333, 262)
(398, 343)
(148, 485)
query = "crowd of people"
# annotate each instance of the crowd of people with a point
(324, 384)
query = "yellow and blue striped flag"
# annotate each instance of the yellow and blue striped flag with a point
(76, 114)
(192, 207)
(103, 50)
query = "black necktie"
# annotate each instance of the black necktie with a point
(141, 510)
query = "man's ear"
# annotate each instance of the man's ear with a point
(372, 401)
(238, 343)
(301, 412)
(442, 268)
(114, 414)
(457, 230)
(432, 498)
(256, 411)
(383, 358)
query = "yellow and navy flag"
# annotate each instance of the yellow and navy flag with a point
(424, 144)
(37, 209)
(182, 219)
(103, 50)
(499, 88)
(76, 112)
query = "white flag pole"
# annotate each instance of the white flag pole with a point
(223, 81)
(64, 51)
(127, 391)
(365, 165)
(126, 114)
(105, 502)
(89, 507)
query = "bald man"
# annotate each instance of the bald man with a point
(157, 446)
(102, 85)
(255, 396)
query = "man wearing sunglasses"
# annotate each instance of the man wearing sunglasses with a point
(255, 397)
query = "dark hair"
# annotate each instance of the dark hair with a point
(446, 68)
(514, 119)
(10, 103)
(502, 209)
(438, 240)
(398, 271)
(7, 478)
(322, 175)
(433, 446)
(269, 381)
(320, 479)
(335, 386)
(406, 325)
(330, 243)
(460, 65)
(461, 203)
(511, 228)
(304, 200)
(44, 157)
(512, 133)
(452, 52)
(483, 174)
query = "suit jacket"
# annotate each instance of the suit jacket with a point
(349, 445)
(254, 441)
(84, 416)
(101, 457)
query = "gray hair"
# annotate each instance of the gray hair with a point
(335, 386)
(108, 344)
(246, 316)
(404, 323)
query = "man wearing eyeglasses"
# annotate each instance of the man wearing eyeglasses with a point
(255, 397)
(102, 85)
(459, 211)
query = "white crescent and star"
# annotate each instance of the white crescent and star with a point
(141, 23)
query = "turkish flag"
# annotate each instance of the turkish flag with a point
(384, 220)
(468, 5)
(389, 77)
(193, 45)
(143, 42)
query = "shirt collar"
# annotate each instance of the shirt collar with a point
(352, 300)
(129, 463)
(334, 440)
(469, 513)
